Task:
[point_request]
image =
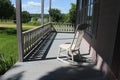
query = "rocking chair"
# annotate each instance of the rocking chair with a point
(73, 49)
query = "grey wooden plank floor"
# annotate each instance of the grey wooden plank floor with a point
(50, 68)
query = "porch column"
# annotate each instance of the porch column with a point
(19, 30)
(50, 1)
(42, 12)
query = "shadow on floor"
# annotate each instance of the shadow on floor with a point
(74, 73)
(15, 77)
(41, 52)
(15, 66)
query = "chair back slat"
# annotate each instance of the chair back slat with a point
(79, 39)
(80, 30)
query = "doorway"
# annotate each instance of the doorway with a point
(116, 56)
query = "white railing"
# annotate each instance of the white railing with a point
(32, 37)
(63, 27)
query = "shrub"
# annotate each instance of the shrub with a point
(6, 63)
(34, 23)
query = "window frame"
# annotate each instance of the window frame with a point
(86, 12)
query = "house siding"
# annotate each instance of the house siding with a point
(105, 30)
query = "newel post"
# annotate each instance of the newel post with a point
(19, 30)
(50, 2)
(42, 12)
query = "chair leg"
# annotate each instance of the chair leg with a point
(59, 51)
(79, 54)
(68, 54)
(72, 55)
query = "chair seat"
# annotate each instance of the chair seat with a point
(67, 46)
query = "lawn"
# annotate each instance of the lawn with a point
(25, 25)
(8, 42)
(8, 48)
(8, 45)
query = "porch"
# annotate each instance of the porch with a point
(44, 65)
(38, 49)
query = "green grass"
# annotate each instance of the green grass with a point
(8, 48)
(5, 63)
(8, 45)
(8, 22)
(24, 24)
(8, 41)
(32, 24)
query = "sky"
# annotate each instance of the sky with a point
(34, 6)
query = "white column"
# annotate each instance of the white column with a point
(42, 12)
(19, 30)
(50, 1)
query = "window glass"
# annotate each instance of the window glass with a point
(86, 14)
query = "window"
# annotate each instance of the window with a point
(88, 13)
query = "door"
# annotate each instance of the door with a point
(116, 56)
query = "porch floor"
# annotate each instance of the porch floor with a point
(49, 68)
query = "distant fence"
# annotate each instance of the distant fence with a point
(63, 27)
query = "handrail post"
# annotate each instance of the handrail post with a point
(42, 12)
(50, 2)
(19, 30)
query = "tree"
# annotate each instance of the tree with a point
(7, 10)
(65, 18)
(72, 13)
(56, 15)
(25, 17)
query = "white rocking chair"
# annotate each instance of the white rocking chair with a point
(71, 48)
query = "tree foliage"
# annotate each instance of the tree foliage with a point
(72, 13)
(35, 17)
(56, 15)
(65, 18)
(26, 17)
(7, 10)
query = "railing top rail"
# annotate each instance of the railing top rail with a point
(25, 32)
